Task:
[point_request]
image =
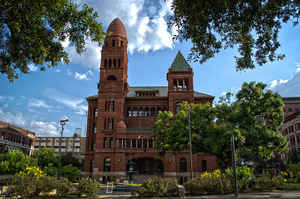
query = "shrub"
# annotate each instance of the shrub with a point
(70, 172)
(244, 176)
(63, 187)
(265, 183)
(209, 183)
(160, 187)
(289, 186)
(30, 187)
(32, 172)
(88, 187)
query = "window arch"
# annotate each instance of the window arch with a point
(105, 62)
(109, 63)
(111, 77)
(182, 165)
(107, 164)
(115, 63)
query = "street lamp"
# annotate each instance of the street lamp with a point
(234, 168)
(62, 123)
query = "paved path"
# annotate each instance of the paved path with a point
(264, 195)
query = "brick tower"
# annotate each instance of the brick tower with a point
(180, 83)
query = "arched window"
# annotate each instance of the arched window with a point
(182, 165)
(111, 77)
(113, 43)
(105, 62)
(115, 63)
(107, 164)
(119, 63)
(109, 63)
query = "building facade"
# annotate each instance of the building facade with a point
(74, 144)
(16, 138)
(291, 125)
(120, 117)
(291, 105)
(291, 129)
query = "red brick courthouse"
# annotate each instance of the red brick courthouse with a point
(120, 117)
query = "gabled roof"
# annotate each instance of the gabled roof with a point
(162, 92)
(180, 64)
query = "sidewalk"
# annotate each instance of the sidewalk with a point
(262, 195)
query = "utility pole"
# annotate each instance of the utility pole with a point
(190, 143)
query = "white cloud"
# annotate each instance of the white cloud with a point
(80, 76)
(145, 21)
(90, 58)
(287, 88)
(37, 103)
(32, 67)
(44, 128)
(13, 118)
(275, 83)
(78, 105)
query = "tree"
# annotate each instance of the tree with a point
(46, 157)
(252, 26)
(15, 161)
(253, 120)
(68, 158)
(32, 31)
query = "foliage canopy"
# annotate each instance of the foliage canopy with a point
(252, 26)
(253, 119)
(31, 32)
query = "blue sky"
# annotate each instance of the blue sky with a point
(38, 100)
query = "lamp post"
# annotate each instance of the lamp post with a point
(62, 123)
(190, 143)
(234, 168)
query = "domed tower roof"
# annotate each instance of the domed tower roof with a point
(116, 28)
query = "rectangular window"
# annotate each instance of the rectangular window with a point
(94, 128)
(95, 112)
(120, 143)
(144, 143)
(110, 106)
(297, 126)
(134, 143)
(139, 143)
(128, 143)
(110, 142)
(124, 143)
(104, 143)
(150, 143)
(204, 165)
(91, 165)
